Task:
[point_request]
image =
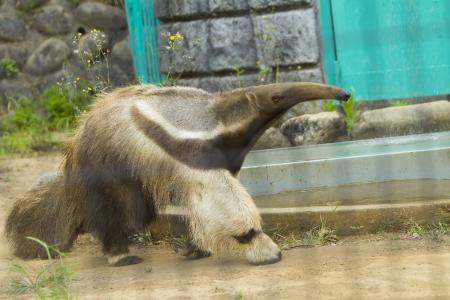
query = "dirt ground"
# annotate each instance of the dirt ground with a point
(369, 267)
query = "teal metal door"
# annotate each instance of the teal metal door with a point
(386, 49)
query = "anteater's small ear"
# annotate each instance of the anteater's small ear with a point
(251, 96)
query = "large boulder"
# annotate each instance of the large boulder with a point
(272, 138)
(28, 5)
(101, 16)
(403, 120)
(12, 28)
(108, 74)
(91, 46)
(52, 20)
(48, 57)
(121, 54)
(15, 52)
(324, 127)
(15, 87)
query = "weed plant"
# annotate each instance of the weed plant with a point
(51, 281)
(9, 67)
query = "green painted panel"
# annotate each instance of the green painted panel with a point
(389, 49)
(143, 41)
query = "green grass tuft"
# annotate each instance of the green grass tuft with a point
(9, 67)
(431, 232)
(51, 281)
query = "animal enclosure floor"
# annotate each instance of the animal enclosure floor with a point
(368, 267)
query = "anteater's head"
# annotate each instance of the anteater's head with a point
(274, 99)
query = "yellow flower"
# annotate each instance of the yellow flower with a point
(172, 38)
(178, 36)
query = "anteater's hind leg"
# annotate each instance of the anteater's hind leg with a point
(117, 209)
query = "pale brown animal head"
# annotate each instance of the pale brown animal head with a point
(279, 97)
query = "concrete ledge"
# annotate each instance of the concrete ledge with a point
(346, 220)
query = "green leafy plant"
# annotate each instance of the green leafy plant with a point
(174, 44)
(432, 232)
(51, 281)
(238, 72)
(62, 109)
(320, 235)
(270, 63)
(329, 106)
(400, 103)
(9, 67)
(30, 125)
(350, 111)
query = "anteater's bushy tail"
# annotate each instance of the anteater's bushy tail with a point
(45, 213)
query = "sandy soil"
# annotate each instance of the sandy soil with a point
(367, 267)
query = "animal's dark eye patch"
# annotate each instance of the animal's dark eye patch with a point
(246, 237)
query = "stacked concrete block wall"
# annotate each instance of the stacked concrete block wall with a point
(279, 37)
(37, 41)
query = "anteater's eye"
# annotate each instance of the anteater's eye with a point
(276, 98)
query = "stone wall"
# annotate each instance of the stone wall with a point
(279, 37)
(47, 38)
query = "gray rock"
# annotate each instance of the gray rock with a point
(403, 120)
(101, 16)
(180, 8)
(48, 57)
(28, 5)
(161, 9)
(325, 127)
(264, 4)
(227, 5)
(232, 43)
(287, 38)
(52, 20)
(166, 9)
(46, 81)
(272, 138)
(299, 74)
(12, 28)
(191, 82)
(217, 84)
(193, 53)
(15, 52)
(108, 74)
(15, 87)
(92, 45)
(121, 54)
